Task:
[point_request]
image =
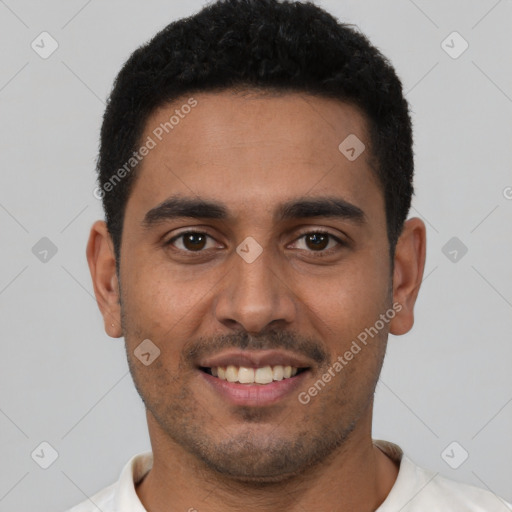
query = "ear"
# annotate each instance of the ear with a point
(408, 273)
(102, 265)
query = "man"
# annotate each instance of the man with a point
(256, 174)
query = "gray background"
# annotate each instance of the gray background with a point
(64, 381)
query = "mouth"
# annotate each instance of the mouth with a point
(254, 378)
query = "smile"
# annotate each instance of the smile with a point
(246, 375)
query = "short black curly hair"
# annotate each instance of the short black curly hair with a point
(268, 45)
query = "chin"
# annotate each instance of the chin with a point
(258, 476)
(261, 481)
(262, 460)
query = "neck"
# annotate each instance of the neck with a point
(357, 476)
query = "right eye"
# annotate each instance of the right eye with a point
(190, 241)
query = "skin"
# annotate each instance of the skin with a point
(252, 152)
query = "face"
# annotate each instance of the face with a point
(250, 244)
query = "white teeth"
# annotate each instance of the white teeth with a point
(278, 373)
(263, 375)
(245, 375)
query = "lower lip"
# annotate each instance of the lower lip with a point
(255, 394)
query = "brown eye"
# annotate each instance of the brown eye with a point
(190, 241)
(317, 241)
(194, 241)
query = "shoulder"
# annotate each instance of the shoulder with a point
(461, 496)
(417, 489)
(433, 492)
(121, 495)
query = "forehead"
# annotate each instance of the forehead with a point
(247, 147)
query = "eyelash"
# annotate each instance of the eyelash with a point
(318, 254)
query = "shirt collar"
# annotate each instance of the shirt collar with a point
(136, 469)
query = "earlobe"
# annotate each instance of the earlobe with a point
(408, 273)
(102, 265)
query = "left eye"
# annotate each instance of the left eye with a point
(319, 241)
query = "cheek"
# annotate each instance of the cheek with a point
(354, 295)
(159, 295)
(163, 305)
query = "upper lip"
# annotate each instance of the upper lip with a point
(255, 359)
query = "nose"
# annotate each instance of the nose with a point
(255, 295)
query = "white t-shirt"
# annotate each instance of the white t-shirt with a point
(415, 490)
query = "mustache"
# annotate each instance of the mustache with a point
(272, 340)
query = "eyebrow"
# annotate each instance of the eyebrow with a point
(301, 208)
